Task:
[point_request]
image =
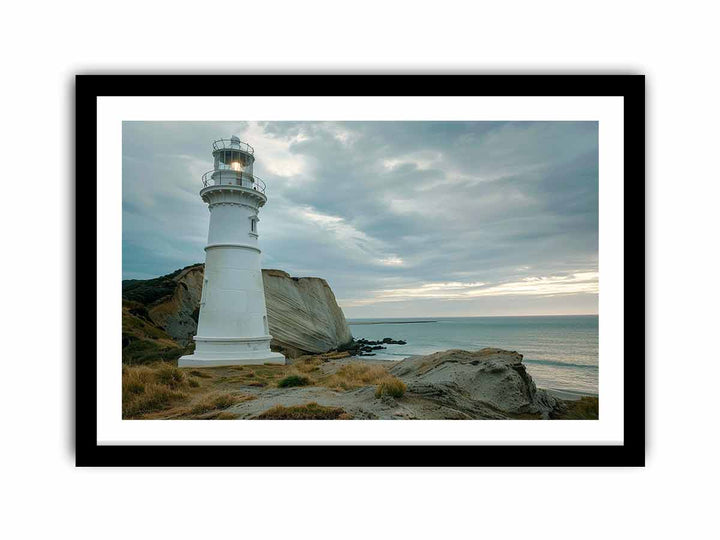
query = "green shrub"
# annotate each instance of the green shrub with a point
(293, 380)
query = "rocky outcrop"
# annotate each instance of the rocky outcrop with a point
(489, 383)
(303, 315)
(177, 314)
(448, 385)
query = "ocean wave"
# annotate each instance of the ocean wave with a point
(559, 364)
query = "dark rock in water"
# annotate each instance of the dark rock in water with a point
(362, 346)
(391, 341)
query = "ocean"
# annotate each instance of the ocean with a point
(560, 352)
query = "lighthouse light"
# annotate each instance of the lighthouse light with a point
(235, 166)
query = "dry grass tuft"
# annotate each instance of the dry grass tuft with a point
(356, 375)
(163, 391)
(308, 411)
(259, 376)
(391, 387)
(150, 388)
(216, 401)
(170, 376)
(307, 364)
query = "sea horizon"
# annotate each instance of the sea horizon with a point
(559, 351)
(353, 319)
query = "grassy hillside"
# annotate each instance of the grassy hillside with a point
(142, 341)
(147, 291)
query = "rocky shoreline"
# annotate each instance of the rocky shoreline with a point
(330, 375)
(448, 385)
(454, 384)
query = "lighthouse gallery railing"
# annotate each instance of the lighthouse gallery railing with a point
(232, 178)
(232, 144)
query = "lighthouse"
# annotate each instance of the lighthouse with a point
(232, 325)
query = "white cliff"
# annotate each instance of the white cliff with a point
(303, 315)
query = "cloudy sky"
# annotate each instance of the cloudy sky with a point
(403, 219)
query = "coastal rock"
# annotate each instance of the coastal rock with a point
(489, 383)
(303, 315)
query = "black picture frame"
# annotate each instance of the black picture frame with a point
(630, 87)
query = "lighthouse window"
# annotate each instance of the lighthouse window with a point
(252, 225)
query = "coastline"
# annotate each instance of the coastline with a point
(559, 393)
(569, 395)
(362, 323)
(490, 384)
(560, 352)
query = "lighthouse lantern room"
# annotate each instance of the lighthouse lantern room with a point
(232, 325)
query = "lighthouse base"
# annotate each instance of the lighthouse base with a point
(213, 351)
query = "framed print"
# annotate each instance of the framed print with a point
(360, 270)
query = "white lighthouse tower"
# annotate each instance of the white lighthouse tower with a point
(232, 326)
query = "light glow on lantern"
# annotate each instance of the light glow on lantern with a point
(235, 166)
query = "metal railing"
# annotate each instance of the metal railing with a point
(229, 177)
(232, 144)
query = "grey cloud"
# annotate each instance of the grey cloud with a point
(467, 201)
